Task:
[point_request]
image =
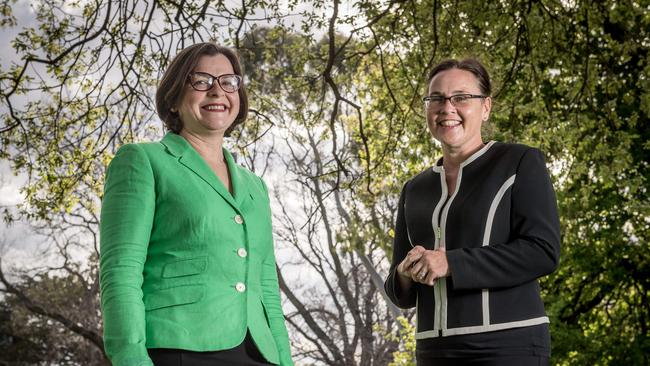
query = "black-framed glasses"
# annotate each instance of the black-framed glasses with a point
(457, 100)
(202, 81)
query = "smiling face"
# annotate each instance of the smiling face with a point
(213, 111)
(457, 128)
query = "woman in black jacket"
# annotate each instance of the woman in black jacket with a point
(473, 235)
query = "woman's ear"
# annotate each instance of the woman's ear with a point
(487, 107)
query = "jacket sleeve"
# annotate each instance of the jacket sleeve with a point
(534, 248)
(273, 306)
(401, 246)
(125, 228)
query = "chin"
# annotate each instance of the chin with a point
(450, 140)
(217, 126)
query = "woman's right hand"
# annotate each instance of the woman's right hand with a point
(404, 268)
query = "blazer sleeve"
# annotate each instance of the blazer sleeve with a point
(401, 247)
(125, 227)
(534, 249)
(273, 306)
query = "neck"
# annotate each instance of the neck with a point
(453, 157)
(209, 147)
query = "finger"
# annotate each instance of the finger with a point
(430, 279)
(407, 263)
(419, 272)
(422, 272)
(422, 275)
(414, 254)
(416, 268)
(403, 269)
(416, 262)
(425, 259)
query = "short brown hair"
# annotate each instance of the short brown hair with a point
(469, 64)
(173, 84)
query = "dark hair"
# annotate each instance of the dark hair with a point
(469, 64)
(173, 84)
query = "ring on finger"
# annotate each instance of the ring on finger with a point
(422, 274)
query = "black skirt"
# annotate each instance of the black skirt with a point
(246, 354)
(487, 361)
(518, 346)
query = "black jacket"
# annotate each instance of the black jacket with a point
(501, 230)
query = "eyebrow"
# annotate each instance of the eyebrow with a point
(214, 76)
(453, 92)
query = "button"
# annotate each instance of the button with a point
(239, 219)
(242, 252)
(240, 287)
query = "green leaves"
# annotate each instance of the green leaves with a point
(569, 77)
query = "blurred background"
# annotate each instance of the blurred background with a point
(336, 127)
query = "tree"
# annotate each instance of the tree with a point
(336, 311)
(79, 214)
(337, 120)
(50, 319)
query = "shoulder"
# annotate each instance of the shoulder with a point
(513, 153)
(426, 178)
(129, 153)
(512, 149)
(140, 148)
(526, 161)
(130, 161)
(144, 156)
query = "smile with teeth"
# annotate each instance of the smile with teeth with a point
(215, 107)
(449, 123)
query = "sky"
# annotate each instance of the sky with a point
(18, 244)
(17, 237)
(13, 239)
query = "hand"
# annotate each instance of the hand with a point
(431, 265)
(404, 268)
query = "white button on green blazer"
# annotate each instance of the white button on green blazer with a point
(185, 264)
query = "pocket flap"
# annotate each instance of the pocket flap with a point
(179, 295)
(185, 267)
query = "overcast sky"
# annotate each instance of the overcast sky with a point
(10, 243)
(19, 244)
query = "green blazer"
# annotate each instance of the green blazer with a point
(185, 264)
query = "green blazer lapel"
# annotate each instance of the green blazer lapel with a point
(237, 179)
(190, 158)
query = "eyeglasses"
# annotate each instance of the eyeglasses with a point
(458, 100)
(202, 81)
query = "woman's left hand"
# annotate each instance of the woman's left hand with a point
(431, 266)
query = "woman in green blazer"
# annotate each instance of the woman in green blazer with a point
(187, 268)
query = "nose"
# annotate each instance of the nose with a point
(216, 89)
(447, 107)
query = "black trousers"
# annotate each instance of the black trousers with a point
(485, 361)
(246, 354)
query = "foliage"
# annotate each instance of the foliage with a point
(30, 332)
(336, 122)
(335, 325)
(405, 356)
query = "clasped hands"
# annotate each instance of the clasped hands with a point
(423, 265)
